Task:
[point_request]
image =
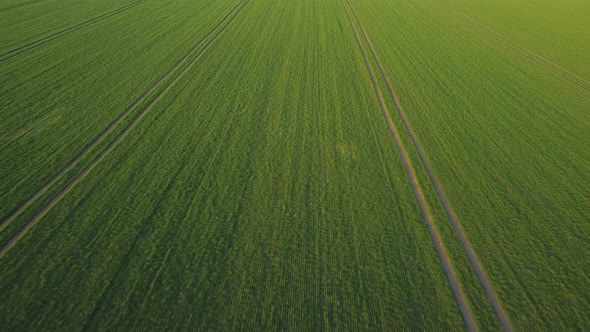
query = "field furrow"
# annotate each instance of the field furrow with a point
(439, 191)
(55, 36)
(93, 137)
(113, 125)
(492, 125)
(301, 165)
(275, 206)
(24, 25)
(117, 139)
(436, 238)
(24, 3)
(568, 74)
(553, 31)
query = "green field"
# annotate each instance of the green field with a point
(295, 165)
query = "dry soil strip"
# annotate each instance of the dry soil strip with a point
(103, 134)
(445, 260)
(440, 193)
(563, 72)
(60, 34)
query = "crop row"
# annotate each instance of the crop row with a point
(273, 194)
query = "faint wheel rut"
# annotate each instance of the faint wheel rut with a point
(233, 14)
(60, 34)
(100, 138)
(552, 66)
(499, 311)
(19, 5)
(427, 215)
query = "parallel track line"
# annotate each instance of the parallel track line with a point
(19, 5)
(16, 213)
(492, 297)
(552, 66)
(436, 238)
(114, 143)
(60, 34)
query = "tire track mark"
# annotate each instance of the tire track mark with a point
(436, 238)
(501, 315)
(109, 129)
(60, 34)
(554, 67)
(19, 5)
(116, 141)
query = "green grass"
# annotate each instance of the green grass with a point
(555, 30)
(83, 88)
(35, 20)
(506, 136)
(264, 190)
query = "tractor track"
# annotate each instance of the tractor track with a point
(550, 65)
(121, 135)
(475, 263)
(109, 129)
(19, 5)
(427, 215)
(60, 34)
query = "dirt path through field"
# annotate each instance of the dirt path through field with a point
(445, 260)
(60, 34)
(440, 193)
(119, 138)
